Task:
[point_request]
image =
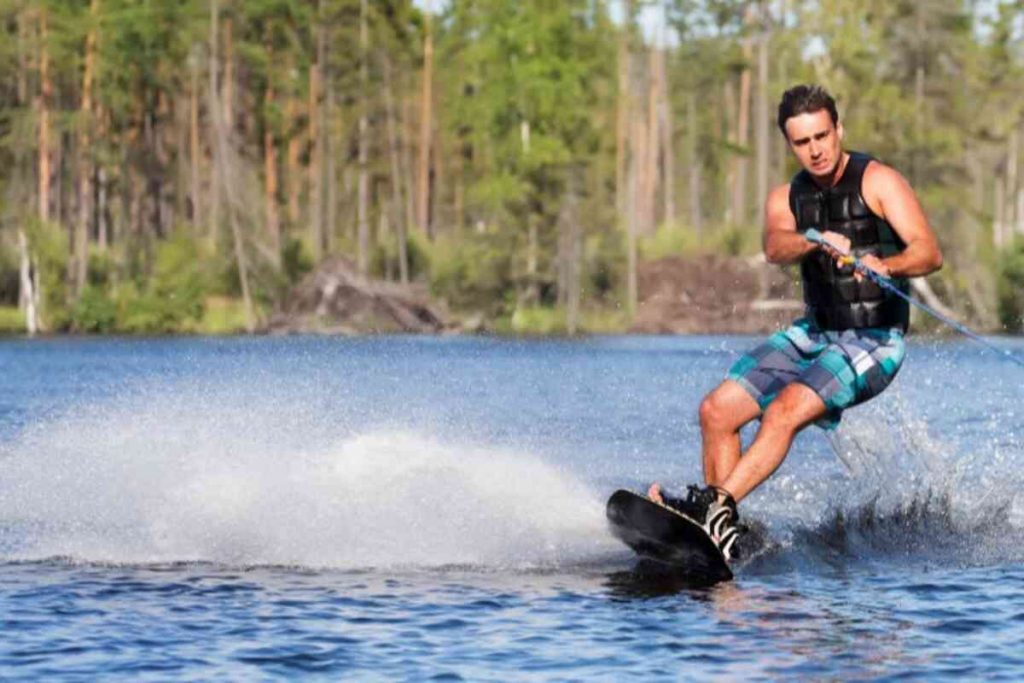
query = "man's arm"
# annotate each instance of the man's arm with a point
(782, 243)
(891, 197)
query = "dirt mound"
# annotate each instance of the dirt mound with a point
(713, 294)
(336, 299)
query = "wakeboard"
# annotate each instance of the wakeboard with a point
(665, 535)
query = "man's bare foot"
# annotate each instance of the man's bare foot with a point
(654, 493)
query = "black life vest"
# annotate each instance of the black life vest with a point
(834, 298)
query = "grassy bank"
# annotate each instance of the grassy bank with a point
(12, 321)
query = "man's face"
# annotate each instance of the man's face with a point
(816, 142)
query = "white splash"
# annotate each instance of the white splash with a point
(214, 478)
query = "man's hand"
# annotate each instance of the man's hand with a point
(875, 264)
(838, 246)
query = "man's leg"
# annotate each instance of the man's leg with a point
(723, 413)
(794, 408)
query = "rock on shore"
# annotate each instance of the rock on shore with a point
(706, 294)
(336, 299)
(713, 294)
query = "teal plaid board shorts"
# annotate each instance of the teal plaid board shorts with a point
(843, 368)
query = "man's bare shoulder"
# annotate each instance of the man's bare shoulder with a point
(883, 184)
(776, 210)
(881, 179)
(779, 195)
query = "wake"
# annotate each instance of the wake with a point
(187, 478)
(903, 495)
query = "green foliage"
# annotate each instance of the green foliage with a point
(95, 312)
(221, 315)
(12, 320)
(536, 320)
(669, 240)
(296, 260)
(528, 83)
(672, 240)
(545, 320)
(102, 267)
(9, 276)
(473, 273)
(173, 297)
(1011, 289)
(604, 273)
(385, 261)
(525, 112)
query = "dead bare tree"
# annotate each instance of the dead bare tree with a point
(81, 241)
(426, 128)
(221, 173)
(363, 201)
(401, 221)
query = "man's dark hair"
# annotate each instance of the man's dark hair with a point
(805, 99)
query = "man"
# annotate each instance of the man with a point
(849, 345)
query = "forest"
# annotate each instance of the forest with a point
(175, 166)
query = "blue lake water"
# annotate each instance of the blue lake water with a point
(415, 508)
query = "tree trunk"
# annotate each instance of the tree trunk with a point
(426, 129)
(27, 292)
(331, 127)
(81, 248)
(22, 57)
(782, 145)
(919, 121)
(632, 228)
(215, 125)
(639, 140)
(363, 201)
(240, 260)
(317, 133)
(571, 225)
(293, 179)
(221, 135)
(270, 181)
(408, 135)
(665, 125)
(729, 121)
(761, 128)
(623, 117)
(58, 187)
(182, 212)
(998, 215)
(195, 181)
(397, 202)
(228, 83)
(650, 218)
(925, 292)
(1012, 168)
(696, 209)
(102, 225)
(438, 179)
(532, 294)
(739, 194)
(459, 188)
(1020, 211)
(43, 110)
(331, 117)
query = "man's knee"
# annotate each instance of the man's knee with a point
(794, 408)
(727, 408)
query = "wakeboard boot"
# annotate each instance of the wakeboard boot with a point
(715, 509)
(722, 523)
(694, 505)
